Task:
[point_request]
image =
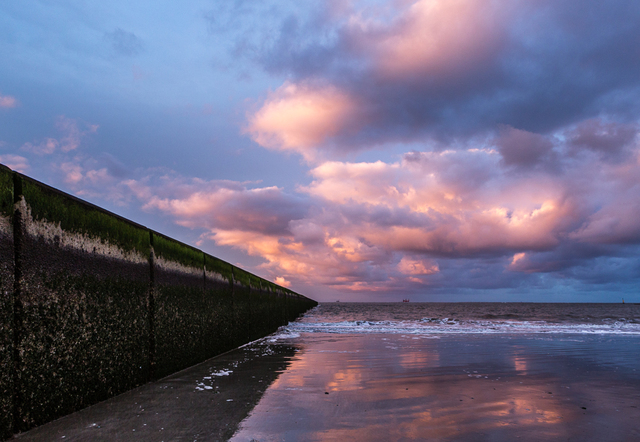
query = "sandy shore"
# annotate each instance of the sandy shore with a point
(202, 403)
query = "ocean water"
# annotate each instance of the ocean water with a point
(436, 319)
(454, 372)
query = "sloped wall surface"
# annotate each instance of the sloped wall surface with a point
(7, 272)
(93, 305)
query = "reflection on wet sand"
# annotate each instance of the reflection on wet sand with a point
(204, 403)
(375, 387)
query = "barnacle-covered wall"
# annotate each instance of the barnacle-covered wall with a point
(93, 304)
(7, 272)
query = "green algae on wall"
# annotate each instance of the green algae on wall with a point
(6, 191)
(175, 251)
(219, 267)
(242, 277)
(76, 216)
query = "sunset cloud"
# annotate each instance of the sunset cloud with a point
(70, 139)
(72, 134)
(375, 226)
(417, 267)
(446, 69)
(15, 162)
(298, 117)
(437, 37)
(7, 101)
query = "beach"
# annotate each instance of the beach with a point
(498, 388)
(397, 372)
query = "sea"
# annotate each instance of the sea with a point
(455, 372)
(443, 319)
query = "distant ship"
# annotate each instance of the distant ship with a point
(405, 300)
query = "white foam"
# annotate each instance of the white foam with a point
(446, 326)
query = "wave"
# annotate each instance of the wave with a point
(444, 326)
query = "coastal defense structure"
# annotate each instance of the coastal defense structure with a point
(93, 305)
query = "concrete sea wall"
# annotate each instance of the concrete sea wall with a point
(93, 305)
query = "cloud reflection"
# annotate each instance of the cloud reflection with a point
(398, 388)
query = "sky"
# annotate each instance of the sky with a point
(353, 150)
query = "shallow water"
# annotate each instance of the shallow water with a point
(376, 372)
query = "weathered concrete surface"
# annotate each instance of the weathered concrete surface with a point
(219, 324)
(193, 404)
(6, 302)
(82, 308)
(179, 305)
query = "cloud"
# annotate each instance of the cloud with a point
(297, 117)
(70, 140)
(72, 135)
(449, 69)
(124, 43)
(609, 138)
(523, 149)
(462, 218)
(7, 101)
(432, 210)
(214, 204)
(45, 147)
(15, 162)
(281, 281)
(433, 38)
(410, 266)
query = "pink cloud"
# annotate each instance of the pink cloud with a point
(72, 134)
(376, 226)
(45, 147)
(451, 217)
(410, 266)
(70, 140)
(433, 216)
(15, 162)
(436, 37)
(8, 101)
(283, 282)
(425, 43)
(300, 117)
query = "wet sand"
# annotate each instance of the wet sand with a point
(202, 403)
(471, 388)
(371, 387)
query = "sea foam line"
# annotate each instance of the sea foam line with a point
(428, 326)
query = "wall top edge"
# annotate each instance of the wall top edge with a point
(80, 201)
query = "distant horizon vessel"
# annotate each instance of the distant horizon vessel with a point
(405, 300)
